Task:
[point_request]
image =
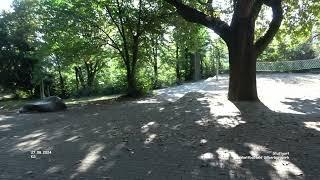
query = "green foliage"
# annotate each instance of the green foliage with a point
(82, 48)
(19, 43)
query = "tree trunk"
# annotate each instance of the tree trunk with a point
(42, 95)
(77, 79)
(155, 64)
(155, 69)
(132, 84)
(239, 37)
(62, 85)
(178, 73)
(242, 61)
(61, 82)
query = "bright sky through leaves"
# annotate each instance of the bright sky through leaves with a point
(5, 5)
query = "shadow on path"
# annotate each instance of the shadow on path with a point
(161, 140)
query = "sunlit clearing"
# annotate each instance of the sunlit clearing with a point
(90, 159)
(229, 157)
(279, 99)
(285, 168)
(312, 125)
(145, 128)
(206, 156)
(150, 138)
(279, 105)
(5, 127)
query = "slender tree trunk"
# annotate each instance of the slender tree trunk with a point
(155, 63)
(42, 95)
(132, 84)
(242, 61)
(77, 78)
(178, 73)
(155, 69)
(62, 84)
(48, 91)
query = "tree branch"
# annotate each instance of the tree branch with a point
(193, 15)
(274, 26)
(256, 8)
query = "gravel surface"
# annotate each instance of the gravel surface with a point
(186, 132)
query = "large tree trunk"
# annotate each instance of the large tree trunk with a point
(239, 37)
(242, 61)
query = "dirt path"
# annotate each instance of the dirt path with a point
(186, 132)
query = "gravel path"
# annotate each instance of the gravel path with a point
(187, 132)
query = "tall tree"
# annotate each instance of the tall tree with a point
(18, 43)
(240, 39)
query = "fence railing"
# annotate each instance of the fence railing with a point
(282, 66)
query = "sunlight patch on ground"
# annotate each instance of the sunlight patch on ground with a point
(54, 169)
(229, 157)
(148, 101)
(312, 125)
(90, 159)
(230, 122)
(206, 156)
(223, 112)
(91, 99)
(31, 141)
(72, 139)
(275, 103)
(256, 150)
(145, 128)
(6, 127)
(224, 158)
(150, 138)
(203, 141)
(272, 90)
(219, 105)
(30, 144)
(3, 117)
(33, 135)
(285, 169)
